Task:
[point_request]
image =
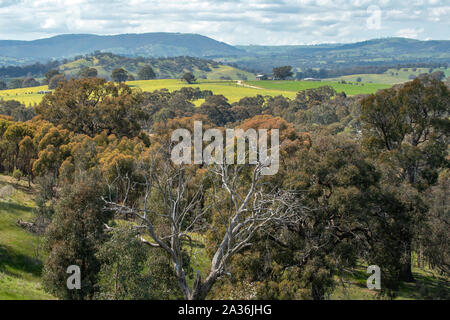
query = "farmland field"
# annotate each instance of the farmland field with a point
(229, 89)
(295, 86)
(27, 96)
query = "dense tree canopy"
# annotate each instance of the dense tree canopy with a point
(362, 180)
(91, 106)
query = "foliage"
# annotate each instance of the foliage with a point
(189, 77)
(146, 73)
(88, 73)
(282, 72)
(119, 75)
(91, 106)
(76, 231)
(122, 275)
(362, 180)
(54, 81)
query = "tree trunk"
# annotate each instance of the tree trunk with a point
(201, 290)
(405, 271)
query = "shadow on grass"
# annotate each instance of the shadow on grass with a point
(11, 260)
(24, 189)
(426, 287)
(9, 206)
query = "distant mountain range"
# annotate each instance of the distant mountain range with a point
(145, 45)
(401, 46)
(258, 58)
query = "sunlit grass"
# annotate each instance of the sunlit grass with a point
(295, 86)
(230, 89)
(20, 254)
(27, 96)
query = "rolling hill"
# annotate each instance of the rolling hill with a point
(146, 44)
(387, 47)
(263, 58)
(387, 51)
(165, 68)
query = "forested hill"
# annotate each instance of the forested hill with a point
(164, 68)
(388, 51)
(146, 44)
(384, 47)
(104, 63)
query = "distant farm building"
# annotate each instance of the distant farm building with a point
(261, 77)
(311, 79)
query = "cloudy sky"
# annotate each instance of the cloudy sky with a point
(275, 22)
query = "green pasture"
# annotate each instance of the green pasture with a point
(392, 76)
(295, 86)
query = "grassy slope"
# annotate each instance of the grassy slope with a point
(399, 76)
(354, 287)
(19, 269)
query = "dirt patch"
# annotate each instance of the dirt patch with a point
(7, 191)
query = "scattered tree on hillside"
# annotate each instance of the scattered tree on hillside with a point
(146, 73)
(189, 77)
(88, 73)
(55, 81)
(30, 82)
(16, 83)
(119, 75)
(282, 72)
(50, 74)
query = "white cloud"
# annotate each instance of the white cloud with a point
(233, 21)
(409, 33)
(48, 23)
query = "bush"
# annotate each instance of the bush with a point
(17, 174)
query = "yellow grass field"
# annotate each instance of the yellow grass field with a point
(27, 96)
(230, 89)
